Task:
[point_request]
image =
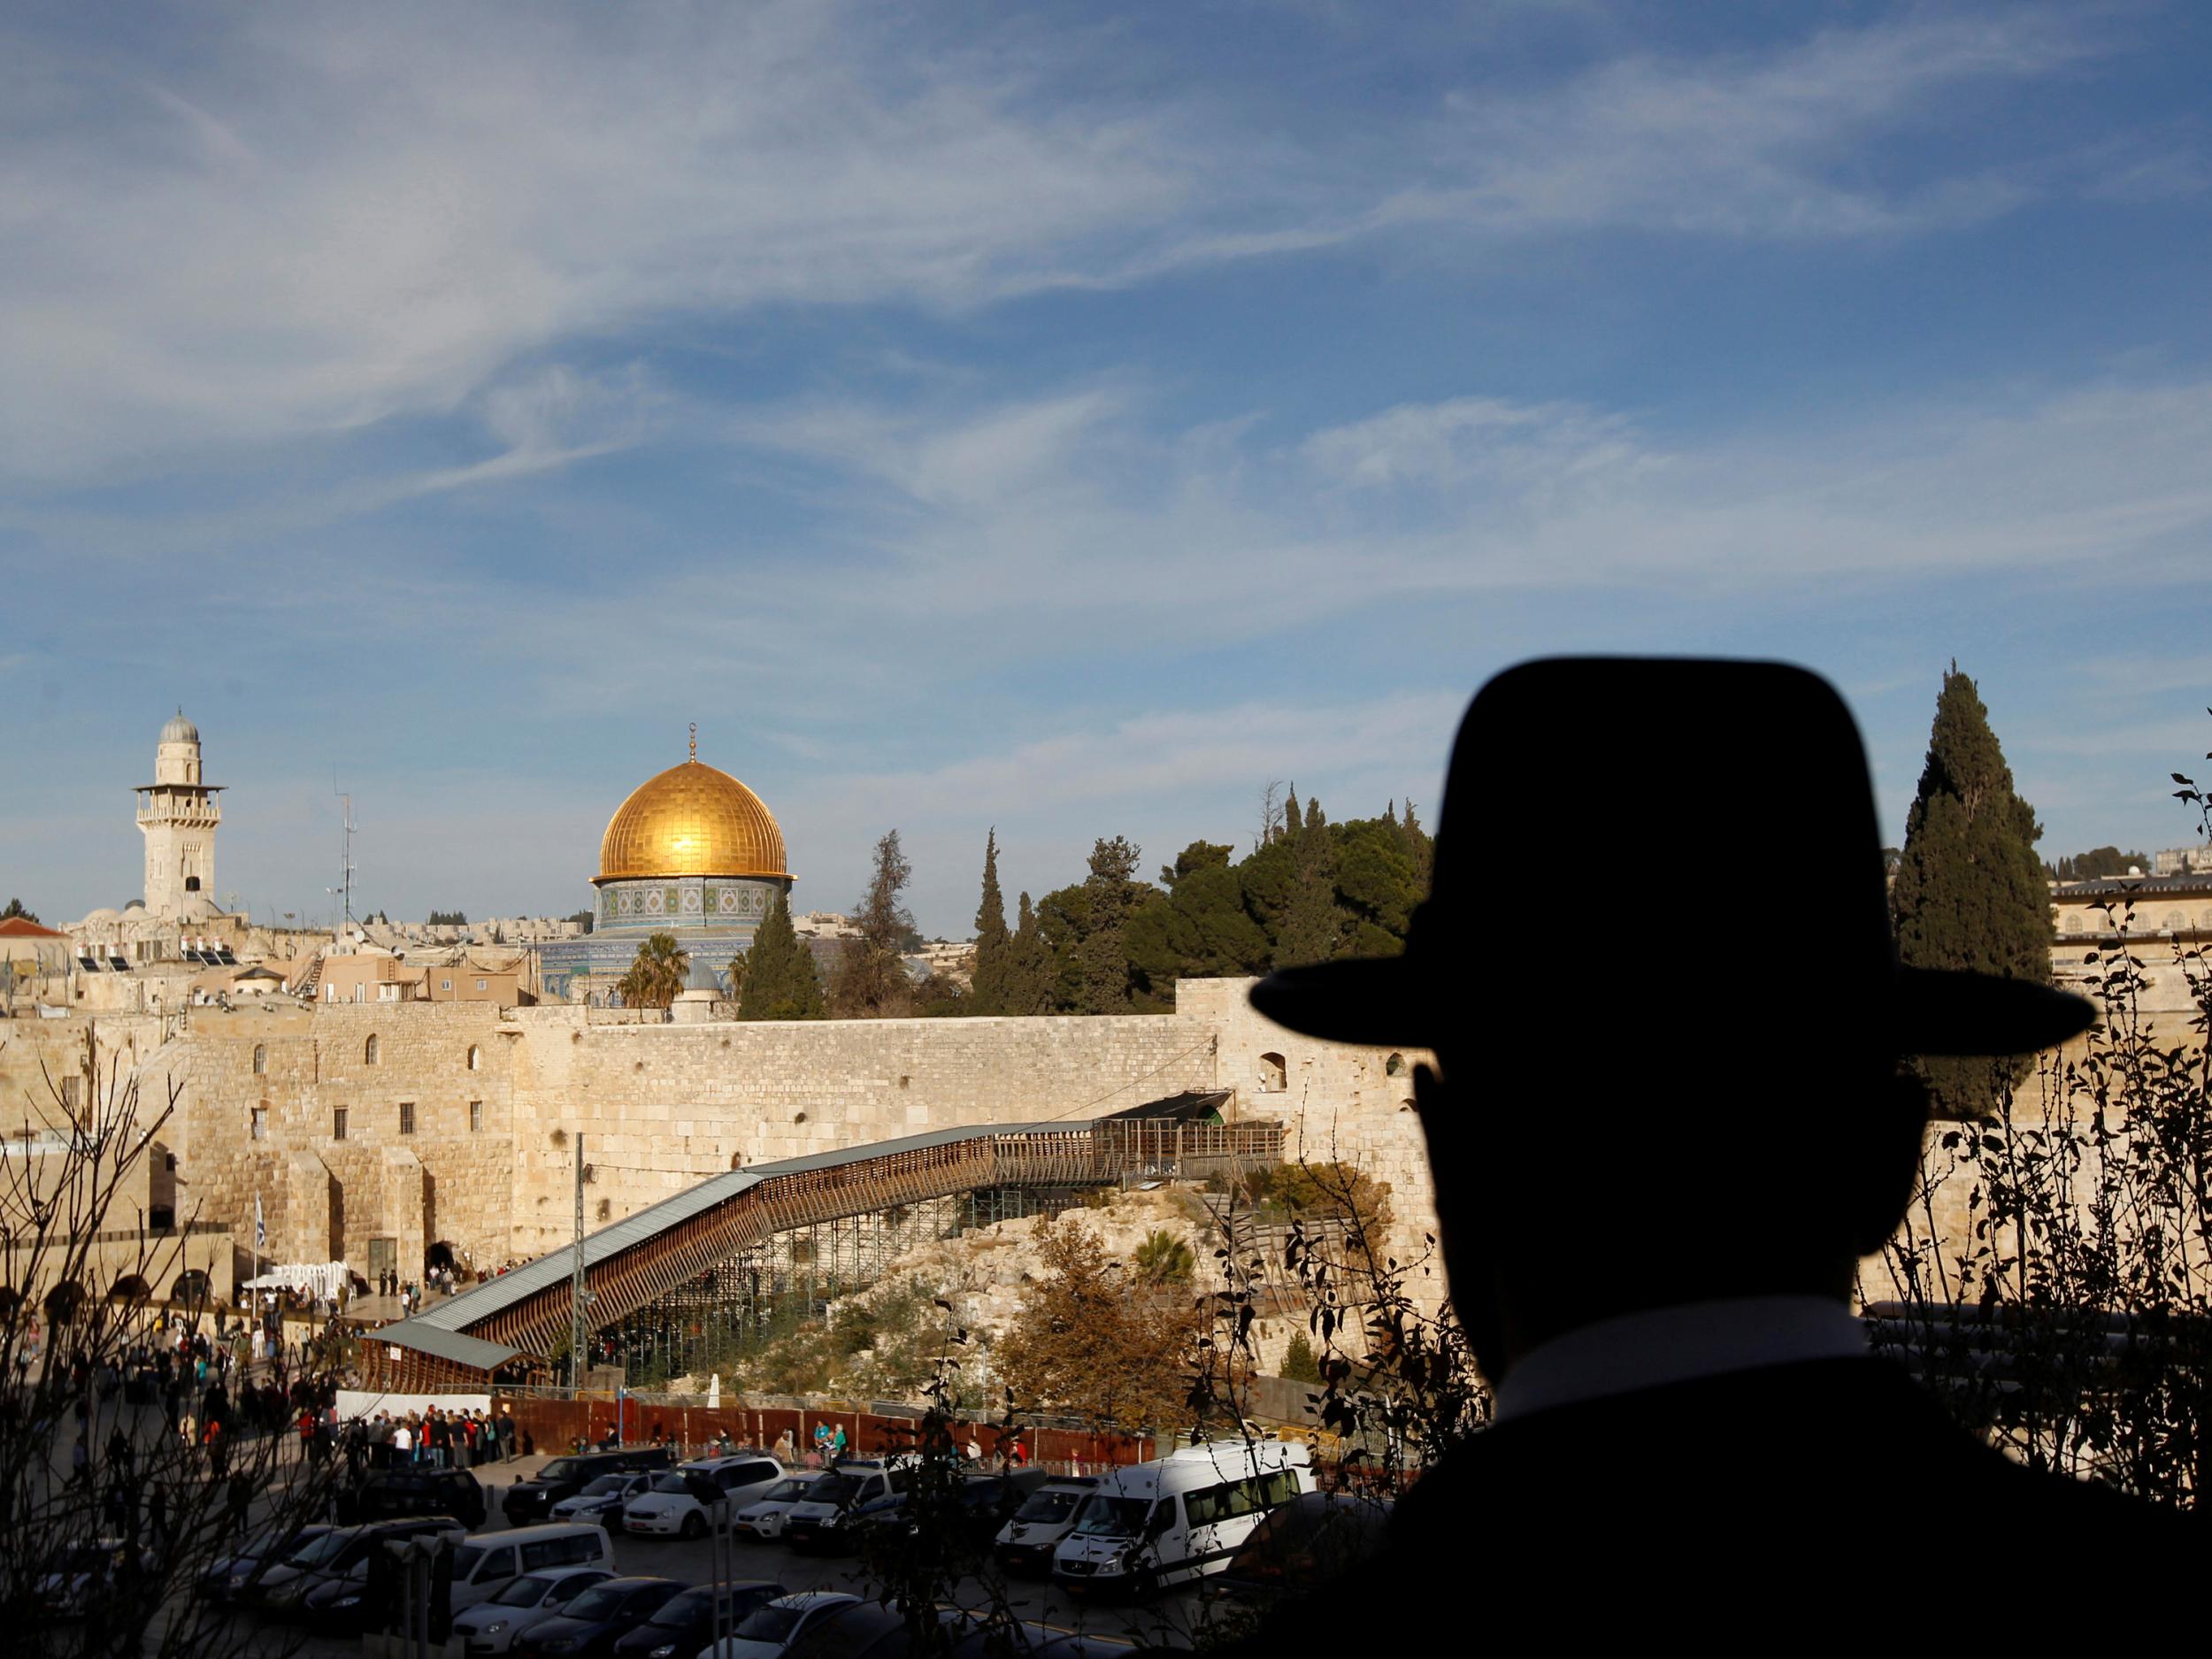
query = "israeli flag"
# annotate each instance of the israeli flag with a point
(260, 1228)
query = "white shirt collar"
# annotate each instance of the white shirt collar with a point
(1677, 1344)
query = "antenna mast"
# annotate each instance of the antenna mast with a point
(346, 873)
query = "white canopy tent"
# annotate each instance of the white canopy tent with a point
(318, 1278)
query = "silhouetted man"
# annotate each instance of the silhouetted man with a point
(1667, 1119)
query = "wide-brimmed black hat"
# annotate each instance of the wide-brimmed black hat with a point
(1661, 840)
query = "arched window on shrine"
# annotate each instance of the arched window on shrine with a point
(260, 1059)
(1395, 1066)
(368, 1052)
(476, 1058)
(1274, 1074)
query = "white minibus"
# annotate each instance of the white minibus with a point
(1180, 1518)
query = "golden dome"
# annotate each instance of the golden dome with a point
(691, 820)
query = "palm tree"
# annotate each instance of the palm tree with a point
(1164, 1259)
(657, 974)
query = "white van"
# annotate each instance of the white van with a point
(689, 1500)
(485, 1564)
(817, 1521)
(1026, 1543)
(1180, 1518)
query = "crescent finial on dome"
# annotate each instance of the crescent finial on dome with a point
(694, 740)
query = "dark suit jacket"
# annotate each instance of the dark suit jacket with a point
(1822, 1504)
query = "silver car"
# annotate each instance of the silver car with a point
(489, 1628)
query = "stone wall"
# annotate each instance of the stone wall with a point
(661, 1107)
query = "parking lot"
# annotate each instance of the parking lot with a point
(1172, 1617)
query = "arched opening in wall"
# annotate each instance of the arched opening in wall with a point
(1395, 1066)
(476, 1058)
(440, 1258)
(191, 884)
(260, 1059)
(130, 1287)
(606, 1208)
(1274, 1073)
(368, 1052)
(737, 1160)
(2073, 923)
(192, 1286)
(62, 1301)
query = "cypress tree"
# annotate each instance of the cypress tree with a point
(779, 980)
(1313, 925)
(1970, 889)
(988, 995)
(870, 981)
(1102, 953)
(1030, 967)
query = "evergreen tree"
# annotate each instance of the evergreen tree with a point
(15, 908)
(779, 978)
(1102, 950)
(1199, 928)
(871, 980)
(1312, 928)
(987, 992)
(1029, 966)
(1970, 889)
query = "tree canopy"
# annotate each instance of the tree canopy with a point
(870, 981)
(2098, 864)
(1094, 1339)
(657, 973)
(1969, 890)
(777, 977)
(15, 908)
(994, 944)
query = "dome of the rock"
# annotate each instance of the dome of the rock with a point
(691, 820)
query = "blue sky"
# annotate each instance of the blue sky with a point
(1063, 419)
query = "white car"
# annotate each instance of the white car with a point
(602, 1500)
(767, 1630)
(691, 1498)
(490, 1627)
(764, 1517)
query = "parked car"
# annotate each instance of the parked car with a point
(231, 1577)
(421, 1490)
(868, 1630)
(685, 1624)
(484, 1565)
(1026, 1543)
(1304, 1543)
(489, 1628)
(602, 1501)
(342, 1553)
(533, 1500)
(589, 1626)
(774, 1625)
(986, 1503)
(819, 1520)
(84, 1572)
(691, 1501)
(764, 1518)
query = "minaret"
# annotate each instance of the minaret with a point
(178, 813)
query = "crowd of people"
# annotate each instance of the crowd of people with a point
(431, 1439)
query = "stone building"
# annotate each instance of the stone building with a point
(178, 813)
(691, 853)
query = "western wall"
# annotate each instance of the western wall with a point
(496, 1098)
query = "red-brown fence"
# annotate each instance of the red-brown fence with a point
(557, 1425)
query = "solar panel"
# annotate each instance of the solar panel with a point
(89, 964)
(223, 955)
(120, 964)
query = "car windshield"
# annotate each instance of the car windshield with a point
(560, 1469)
(602, 1602)
(1051, 1507)
(322, 1550)
(527, 1591)
(788, 1491)
(604, 1485)
(771, 1623)
(464, 1559)
(831, 1489)
(680, 1610)
(1111, 1517)
(671, 1482)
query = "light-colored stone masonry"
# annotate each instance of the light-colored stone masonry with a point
(663, 1106)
